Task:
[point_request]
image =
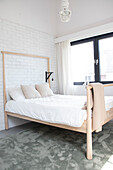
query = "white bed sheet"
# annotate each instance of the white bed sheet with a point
(59, 109)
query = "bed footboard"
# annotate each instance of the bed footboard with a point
(89, 122)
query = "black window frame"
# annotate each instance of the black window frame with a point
(95, 40)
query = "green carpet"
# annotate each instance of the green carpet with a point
(50, 148)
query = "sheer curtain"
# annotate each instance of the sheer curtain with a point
(64, 71)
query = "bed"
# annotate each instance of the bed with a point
(80, 120)
(58, 109)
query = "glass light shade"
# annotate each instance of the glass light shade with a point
(65, 15)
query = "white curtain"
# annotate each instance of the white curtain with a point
(64, 69)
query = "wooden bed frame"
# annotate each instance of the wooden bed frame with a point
(86, 126)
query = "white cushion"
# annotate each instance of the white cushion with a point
(44, 89)
(16, 93)
(30, 92)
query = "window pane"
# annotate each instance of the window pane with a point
(106, 59)
(83, 62)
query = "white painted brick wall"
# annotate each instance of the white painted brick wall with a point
(24, 70)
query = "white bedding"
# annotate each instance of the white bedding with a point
(59, 109)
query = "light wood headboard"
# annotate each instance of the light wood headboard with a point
(21, 54)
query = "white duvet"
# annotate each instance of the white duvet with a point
(59, 109)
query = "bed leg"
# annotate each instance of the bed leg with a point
(89, 127)
(6, 121)
(89, 143)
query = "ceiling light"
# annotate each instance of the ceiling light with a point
(65, 13)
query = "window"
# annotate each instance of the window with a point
(93, 59)
(83, 64)
(106, 59)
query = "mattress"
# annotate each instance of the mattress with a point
(61, 109)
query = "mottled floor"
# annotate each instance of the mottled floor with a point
(15, 130)
(49, 148)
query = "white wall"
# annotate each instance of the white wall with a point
(85, 14)
(38, 14)
(24, 70)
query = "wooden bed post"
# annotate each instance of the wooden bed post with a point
(89, 126)
(6, 121)
(4, 90)
(49, 71)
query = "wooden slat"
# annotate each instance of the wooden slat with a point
(81, 129)
(105, 85)
(4, 90)
(108, 85)
(22, 54)
(4, 83)
(49, 71)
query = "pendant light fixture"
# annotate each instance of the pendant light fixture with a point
(65, 13)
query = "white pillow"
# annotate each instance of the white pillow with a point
(44, 89)
(30, 92)
(16, 93)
